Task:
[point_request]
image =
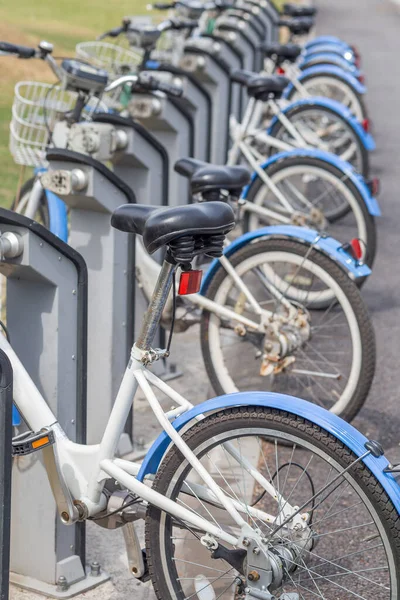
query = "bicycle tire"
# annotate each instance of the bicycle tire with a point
(162, 551)
(279, 131)
(224, 377)
(369, 225)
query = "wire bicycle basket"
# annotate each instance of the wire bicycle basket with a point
(116, 60)
(37, 107)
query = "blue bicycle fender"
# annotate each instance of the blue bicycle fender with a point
(343, 51)
(331, 57)
(370, 202)
(329, 70)
(344, 432)
(58, 216)
(16, 417)
(153, 65)
(326, 39)
(323, 51)
(326, 244)
(366, 138)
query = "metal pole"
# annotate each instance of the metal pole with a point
(6, 396)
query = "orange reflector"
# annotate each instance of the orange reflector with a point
(357, 249)
(42, 442)
(190, 282)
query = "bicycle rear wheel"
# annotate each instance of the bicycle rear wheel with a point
(334, 87)
(327, 130)
(332, 365)
(312, 184)
(350, 547)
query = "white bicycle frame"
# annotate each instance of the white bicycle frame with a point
(242, 134)
(301, 138)
(293, 72)
(77, 473)
(30, 207)
(148, 270)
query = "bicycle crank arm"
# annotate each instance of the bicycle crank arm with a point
(136, 559)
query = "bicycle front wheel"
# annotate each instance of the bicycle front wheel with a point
(21, 203)
(332, 365)
(350, 547)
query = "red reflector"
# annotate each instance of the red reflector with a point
(366, 125)
(356, 248)
(375, 186)
(361, 79)
(190, 282)
(280, 71)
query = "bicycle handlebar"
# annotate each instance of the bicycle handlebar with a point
(177, 24)
(20, 51)
(112, 32)
(183, 24)
(162, 6)
(217, 5)
(167, 88)
(146, 82)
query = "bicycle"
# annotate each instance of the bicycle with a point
(294, 187)
(253, 486)
(324, 80)
(287, 291)
(293, 198)
(285, 273)
(306, 123)
(319, 78)
(36, 108)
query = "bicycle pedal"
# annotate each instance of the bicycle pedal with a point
(30, 442)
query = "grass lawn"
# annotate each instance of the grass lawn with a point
(64, 23)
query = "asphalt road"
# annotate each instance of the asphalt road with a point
(373, 26)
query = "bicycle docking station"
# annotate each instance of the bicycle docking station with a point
(173, 126)
(92, 192)
(139, 162)
(229, 55)
(46, 306)
(269, 16)
(241, 40)
(195, 100)
(6, 404)
(202, 61)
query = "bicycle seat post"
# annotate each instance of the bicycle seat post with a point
(152, 316)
